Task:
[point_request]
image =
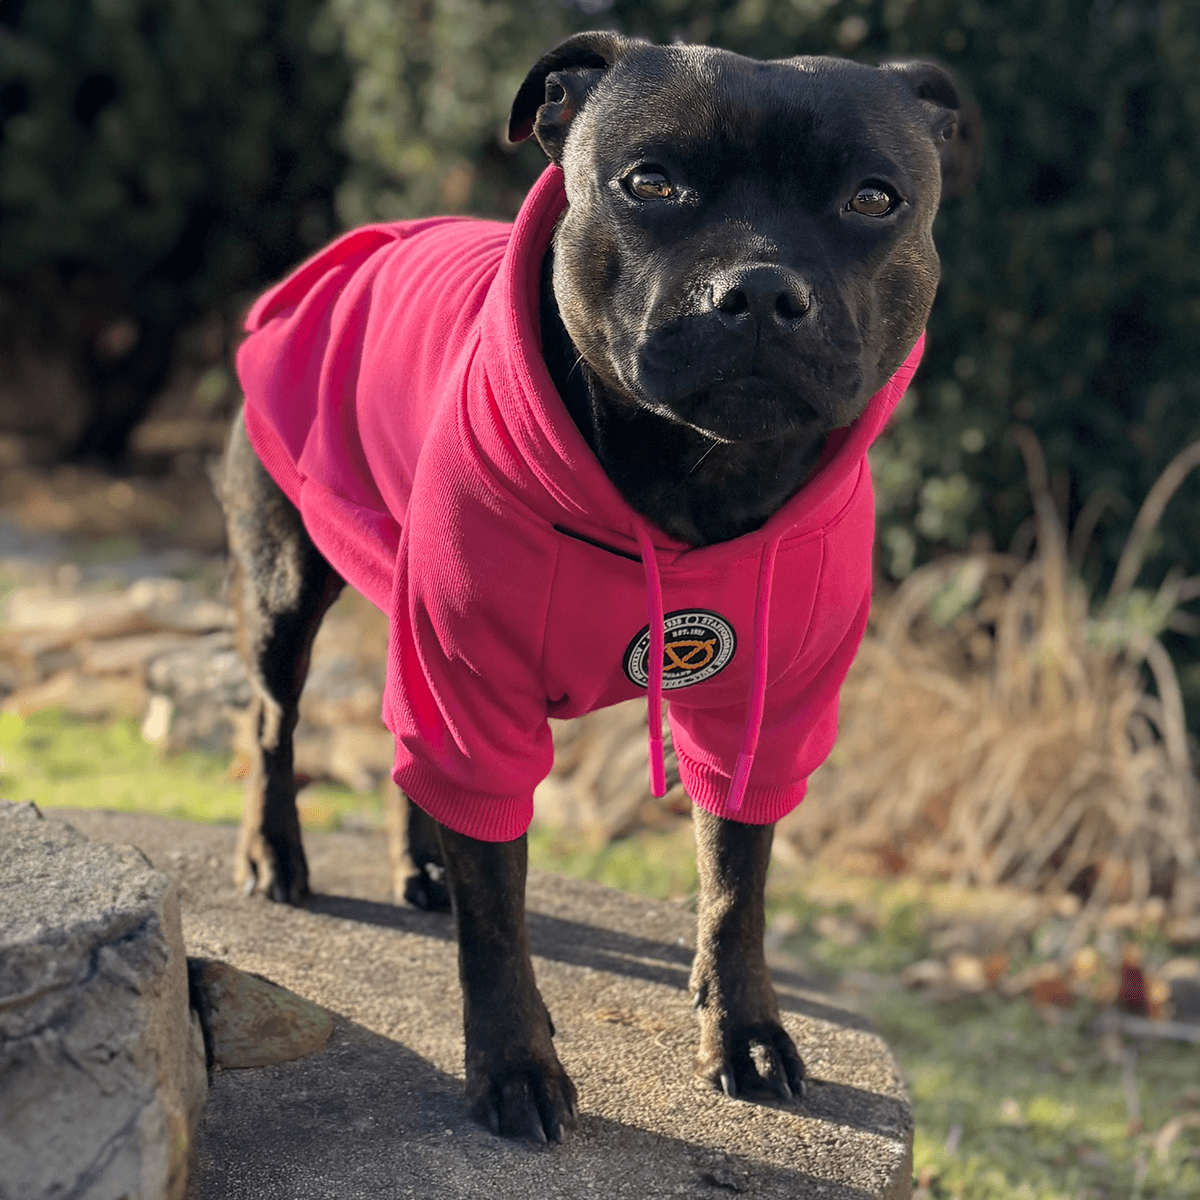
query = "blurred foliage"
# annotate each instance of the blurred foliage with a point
(187, 146)
(190, 146)
(1070, 298)
(427, 118)
(172, 152)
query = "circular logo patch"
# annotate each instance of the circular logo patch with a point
(697, 644)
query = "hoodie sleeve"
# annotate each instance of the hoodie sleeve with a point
(465, 695)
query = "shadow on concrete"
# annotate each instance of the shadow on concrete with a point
(366, 1117)
(582, 945)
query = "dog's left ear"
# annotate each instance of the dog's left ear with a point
(953, 121)
(555, 90)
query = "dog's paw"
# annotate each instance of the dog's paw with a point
(426, 888)
(275, 868)
(535, 1102)
(758, 1058)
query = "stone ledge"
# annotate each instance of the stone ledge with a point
(102, 1064)
(379, 1111)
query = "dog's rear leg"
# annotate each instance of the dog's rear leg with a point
(281, 587)
(743, 1046)
(515, 1083)
(415, 851)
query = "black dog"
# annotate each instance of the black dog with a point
(745, 260)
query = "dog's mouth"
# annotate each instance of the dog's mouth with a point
(750, 408)
(754, 406)
(742, 389)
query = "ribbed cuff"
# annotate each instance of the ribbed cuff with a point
(708, 787)
(481, 815)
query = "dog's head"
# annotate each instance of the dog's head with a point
(747, 248)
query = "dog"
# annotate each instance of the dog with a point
(521, 443)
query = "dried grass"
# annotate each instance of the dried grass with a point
(995, 730)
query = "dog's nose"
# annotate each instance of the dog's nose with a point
(767, 294)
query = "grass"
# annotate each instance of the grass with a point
(57, 760)
(1012, 1102)
(1010, 1105)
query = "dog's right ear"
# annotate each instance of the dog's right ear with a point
(555, 90)
(954, 121)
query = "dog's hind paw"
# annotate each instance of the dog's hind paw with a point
(426, 888)
(758, 1059)
(527, 1103)
(276, 870)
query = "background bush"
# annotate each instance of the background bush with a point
(157, 156)
(188, 149)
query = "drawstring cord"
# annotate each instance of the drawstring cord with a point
(654, 670)
(758, 685)
(654, 663)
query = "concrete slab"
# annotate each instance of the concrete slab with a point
(379, 1111)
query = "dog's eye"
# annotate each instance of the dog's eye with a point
(648, 183)
(872, 201)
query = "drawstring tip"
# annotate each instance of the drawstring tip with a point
(658, 770)
(737, 785)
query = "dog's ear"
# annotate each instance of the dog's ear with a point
(953, 121)
(555, 90)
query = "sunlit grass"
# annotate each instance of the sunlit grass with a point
(1009, 1105)
(662, 865)
(57, 761)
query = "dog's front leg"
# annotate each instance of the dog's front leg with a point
(743, 1046)
(515, 1083)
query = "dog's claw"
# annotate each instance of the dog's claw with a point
(757, 1059)
(528, 1104)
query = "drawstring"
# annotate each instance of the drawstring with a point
(654, 662)
(758, 685)
(654, 670)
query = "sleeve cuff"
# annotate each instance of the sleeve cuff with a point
(707, 787)
(481, 815)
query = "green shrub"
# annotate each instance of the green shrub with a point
(1070, 298)
(170, 152)
(187, 148)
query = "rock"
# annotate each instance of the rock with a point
(101, 1057)
(119, 655)
(340, 688)
(251, 1022)
(205, 681)
(357, 754)
(929, 972)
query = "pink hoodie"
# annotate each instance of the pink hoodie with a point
(396, 392)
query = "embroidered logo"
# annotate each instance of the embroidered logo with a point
(697, 644)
